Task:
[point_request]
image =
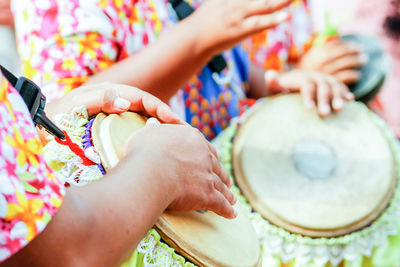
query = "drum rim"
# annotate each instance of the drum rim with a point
(167, 233)
(277, 220)
(96, 140)
(96, 137)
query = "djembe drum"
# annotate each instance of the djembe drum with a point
(178, 238)
(323, 191)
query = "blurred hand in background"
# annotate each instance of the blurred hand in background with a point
(337, 58)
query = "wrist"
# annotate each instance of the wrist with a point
(199, 36)
(156, 173)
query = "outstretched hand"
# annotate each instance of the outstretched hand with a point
(318, 89)
(222, 24)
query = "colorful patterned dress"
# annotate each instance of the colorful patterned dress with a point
(281, 47)
(30, 194)
(64, 42)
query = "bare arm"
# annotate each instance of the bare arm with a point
(100, 224)
(167, 166)
(163, 67)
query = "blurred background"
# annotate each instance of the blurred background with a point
(366, 17)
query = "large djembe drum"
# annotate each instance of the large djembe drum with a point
(178, 238)
(320, 191)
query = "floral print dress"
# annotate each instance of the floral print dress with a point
(62, 43)
(281, 47)
(30, 194)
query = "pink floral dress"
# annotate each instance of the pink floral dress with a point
(281, 47)
(62, 43)
(30, 194)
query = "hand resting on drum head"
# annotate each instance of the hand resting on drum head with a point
(184, 150)
(165, 167)
(318, 89)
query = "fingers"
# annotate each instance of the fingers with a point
(152, 121)
(336, 50)
(344, 63)
(224, 190)
(219, 170)
(259, 7)
(308, 91)
(348, 76)
(323, 95)
(220, 205)
(331, 94)
(115, 98)
(338, 92)
(259, 23)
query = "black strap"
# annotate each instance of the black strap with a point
(183, 10)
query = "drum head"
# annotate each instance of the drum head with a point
(110, 133)
(204, 239)
(310, 175)
(210, 240)
(374, 71)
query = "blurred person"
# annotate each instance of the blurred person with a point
(64, 44)
(295, 45)
(379, 19)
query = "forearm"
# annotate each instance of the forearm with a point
(164, 66)
(100, 224)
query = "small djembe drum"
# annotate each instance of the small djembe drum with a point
(320, 191)
(178, 238)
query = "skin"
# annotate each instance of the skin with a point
(102, 223)
(318, 89)
(6, 17)
(214, 27)
(337, 58)
(155, 68)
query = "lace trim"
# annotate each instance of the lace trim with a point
(320, 251)
(156, 253)
(68, 165)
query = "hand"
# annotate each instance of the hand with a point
(337, 58)
(323, 89)
(113, 98)
(186, 163)
(222, 24)
(6, 17)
